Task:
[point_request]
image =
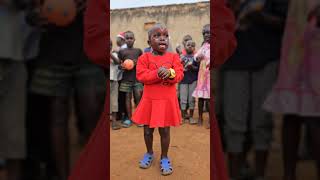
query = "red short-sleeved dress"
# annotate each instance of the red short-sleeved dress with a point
(159, 106)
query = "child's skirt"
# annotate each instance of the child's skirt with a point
(203, 85)
(159, 107)
(297, 90)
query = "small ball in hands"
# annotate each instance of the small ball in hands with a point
(163, 73)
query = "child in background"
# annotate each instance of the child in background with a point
(202, 91)
(182, 52)
(159, 70)
(129, 83)
(184, 41)
(114, 87)
(122, 112)
(247, 77)
(296, 94)
(189, 82)
(147, 49)
(121, 42)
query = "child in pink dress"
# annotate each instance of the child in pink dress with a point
(296, 94)
(202, 91)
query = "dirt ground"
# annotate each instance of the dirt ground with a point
(189, 152)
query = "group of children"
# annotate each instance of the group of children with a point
(194, 84)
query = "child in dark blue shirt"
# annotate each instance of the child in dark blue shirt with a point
(189, 82)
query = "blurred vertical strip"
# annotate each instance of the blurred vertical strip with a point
(94, 161)
(97, 30)
(223, 44)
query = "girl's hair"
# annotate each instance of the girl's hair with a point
(128, 32)
(156, 26)
(187, 37)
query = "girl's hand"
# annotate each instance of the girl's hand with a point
(122, 67)
(163, 73)
(200, 57)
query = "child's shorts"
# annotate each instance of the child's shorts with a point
(127, 86)
(61, 80)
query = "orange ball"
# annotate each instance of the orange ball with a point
(59, 12)
(128, 64)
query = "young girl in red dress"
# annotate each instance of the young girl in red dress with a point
(159, 71)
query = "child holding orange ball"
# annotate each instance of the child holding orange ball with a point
(129, 83)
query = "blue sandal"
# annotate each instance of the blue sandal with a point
(146, 162)
(166, 168)
(126, 123)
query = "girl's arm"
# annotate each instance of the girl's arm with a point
(145, 75)
(223, 28)
(96, 32)
(178, 68)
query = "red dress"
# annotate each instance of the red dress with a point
(159, 106)
(94, 162)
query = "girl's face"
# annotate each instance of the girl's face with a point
(159, 40)
(206, 34)
(190, 47)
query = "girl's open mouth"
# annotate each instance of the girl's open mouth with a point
(162, 45)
